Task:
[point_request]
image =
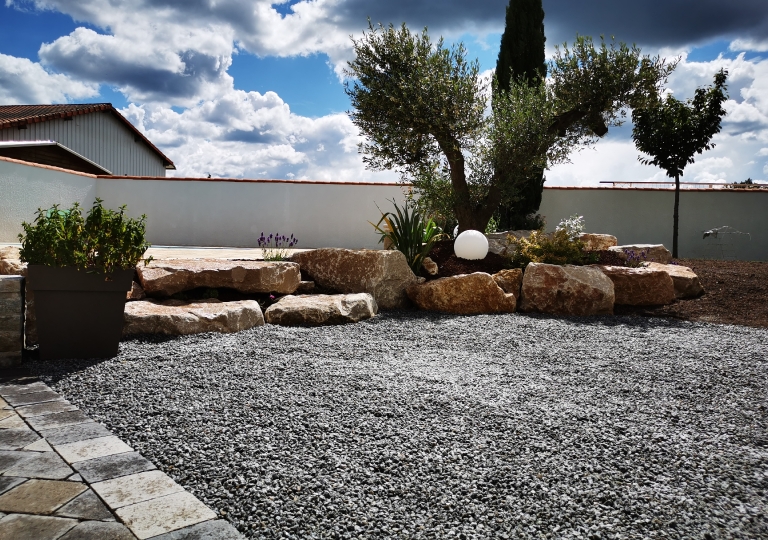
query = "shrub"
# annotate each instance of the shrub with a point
(410, 232)
(103, 242)
(275, 247)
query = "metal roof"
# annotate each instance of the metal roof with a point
(21, 115)
(35, 144)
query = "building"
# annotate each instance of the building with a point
(92, 137)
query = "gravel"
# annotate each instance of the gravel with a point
(418, 425)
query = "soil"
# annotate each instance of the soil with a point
(735, 292)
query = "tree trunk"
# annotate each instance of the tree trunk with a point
(676, 217)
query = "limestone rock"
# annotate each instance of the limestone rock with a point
(509, 280)
(321, 309)
(168, 277)
(305, 287)
(566, 290)
(598, 242)
(640, 286)
(503, 243)
(687, 284)
(430, 266)
(465, 294)
(384, 274)
(176, 317)
(136, 292)
(653, 252)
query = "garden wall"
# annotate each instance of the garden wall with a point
(202, 212)
(645, 216)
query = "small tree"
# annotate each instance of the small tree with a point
(422, 108)
(672, 132)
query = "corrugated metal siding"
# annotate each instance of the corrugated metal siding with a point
(98, 136)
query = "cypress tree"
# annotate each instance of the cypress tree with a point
(521, 55)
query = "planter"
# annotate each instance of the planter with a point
(79, 315)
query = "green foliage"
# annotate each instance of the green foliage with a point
(671, 131)
(555, 248)
(103, 242)
(422, 109)
(521, 54)
(410, 233)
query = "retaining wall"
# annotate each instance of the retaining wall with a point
(11, 320)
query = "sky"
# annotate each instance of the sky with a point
(254, 88)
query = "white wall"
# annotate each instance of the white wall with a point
(24, 189)
(644, 216)
(233, 213)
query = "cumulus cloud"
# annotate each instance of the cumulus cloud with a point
(252, 135)
(23, 81)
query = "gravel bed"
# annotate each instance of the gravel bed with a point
(417, 425)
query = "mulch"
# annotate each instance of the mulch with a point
(735, 292)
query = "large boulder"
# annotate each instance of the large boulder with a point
(384, 274)
(170, 276)
(640, 286)
(598, 242)
(321, 309)
(566, 290)
(176, 317)
(466, 294)
(653, 252)
(11, 265)
(687, 284)
(509, 280)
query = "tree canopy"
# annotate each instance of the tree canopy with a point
(672, 132)
(422, 107)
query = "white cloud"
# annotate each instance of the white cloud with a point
(749, 45)
(250, 135)
(23, 81)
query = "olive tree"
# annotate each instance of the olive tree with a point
(422, 107)
(672, 132)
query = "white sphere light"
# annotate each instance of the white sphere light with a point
(471, 245)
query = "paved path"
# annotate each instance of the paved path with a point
(65, 477)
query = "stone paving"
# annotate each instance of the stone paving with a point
(64, 476)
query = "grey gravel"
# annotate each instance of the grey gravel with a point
(418, 425)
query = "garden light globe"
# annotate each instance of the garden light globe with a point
(472, 245)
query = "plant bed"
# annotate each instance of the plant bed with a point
(448, 264)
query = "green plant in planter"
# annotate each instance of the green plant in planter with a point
(102, 242)
(410, 232)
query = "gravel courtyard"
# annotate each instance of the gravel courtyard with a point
(417, 425)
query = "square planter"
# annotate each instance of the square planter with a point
(79, 314)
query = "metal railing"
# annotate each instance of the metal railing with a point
(684, 185)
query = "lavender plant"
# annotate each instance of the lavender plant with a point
(275, 246)
(636, 260)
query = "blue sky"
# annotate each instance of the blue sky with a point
(253, 88)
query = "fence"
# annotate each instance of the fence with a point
(202, 212)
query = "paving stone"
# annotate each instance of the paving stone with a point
(5, 414)
(16, 439)
(48, 421)
(47, 465)
(39, 496)
(39, 409)
(9, 459)
(74, 433)
(96, 530)
(3, 403)
(135, 488)
(92, 448)
(13, 422)
(38, 446)
(24, 527)
(75, 478)
(33, 397)
(105, 468)
(86, 506)
(208, 530)
(16, 389)
(164, 514)
(7, 482)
